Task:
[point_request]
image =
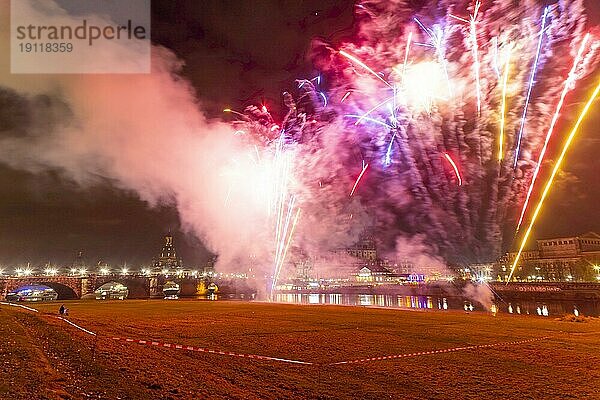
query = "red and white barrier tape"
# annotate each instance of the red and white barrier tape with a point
(204, 350)
(259, 357)
(19, 305)
(77, 326)
(425, 353)
(61, 318)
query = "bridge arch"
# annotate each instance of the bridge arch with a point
(65, 292)
(138, 288)
(187, 287)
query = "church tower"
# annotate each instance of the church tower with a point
(79, 261)
(168, 255)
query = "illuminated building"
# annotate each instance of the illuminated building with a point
(341, 262)
(481, 272)
(168, 256)
(364, 266)
(363, 251)
(574, 258)
(380, 272)
(303, 269)
(405, 267)
(375, 273)
(209, 268)
(79, 262)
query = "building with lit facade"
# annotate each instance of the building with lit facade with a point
(380, 273)
(79, 261)
(366, 267)
(374, 273)
(565, 259)
(363, 251)
(168, 256)
(481, 272)
(341, 263)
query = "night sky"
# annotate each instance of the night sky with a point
(236, 53)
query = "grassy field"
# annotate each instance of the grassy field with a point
(43, 357)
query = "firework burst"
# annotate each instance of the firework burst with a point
(416, 90)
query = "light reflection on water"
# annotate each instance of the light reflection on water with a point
(523, 307)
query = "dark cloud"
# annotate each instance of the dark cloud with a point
(46, 218)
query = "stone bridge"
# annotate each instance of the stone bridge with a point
(75, 287)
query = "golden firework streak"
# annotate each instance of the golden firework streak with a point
(552, 176)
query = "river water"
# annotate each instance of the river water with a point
(523, 307)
